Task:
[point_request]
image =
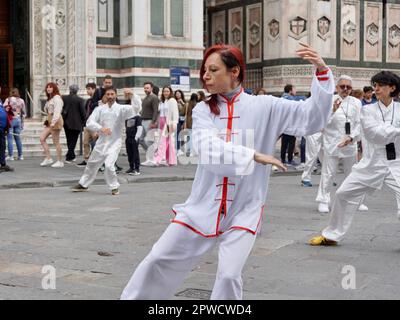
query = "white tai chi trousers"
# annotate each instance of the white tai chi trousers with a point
(313, 152)
(328, 173)
(175, 254)
(348, 197)
(94, 164)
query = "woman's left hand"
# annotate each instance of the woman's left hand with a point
(312, 56)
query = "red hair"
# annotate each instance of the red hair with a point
(56, 91)
(232, 57)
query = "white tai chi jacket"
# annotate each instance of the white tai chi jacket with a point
(113, 118)
(230, 189)
(379, 129)
(334, 132)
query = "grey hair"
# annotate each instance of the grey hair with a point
(344, 77)
(74, 89)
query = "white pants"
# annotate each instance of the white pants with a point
(313, 152)
(348, 197)
(175, 254)
(94, 164)
(329, 171)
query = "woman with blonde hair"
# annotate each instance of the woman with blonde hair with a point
(53, 125)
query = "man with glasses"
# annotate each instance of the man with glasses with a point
(380, 164)
(340, 138)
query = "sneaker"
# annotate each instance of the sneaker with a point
(46, 162)
(275, 169)
(58, 164)
(164, 163)
(6, 169)
(102, 169)
(79, 188)
(136, 173)
(115, 192)
(323, 208)
(322, 241)
(21, 158)
(10, 158)
(180, 153)
(306, 184)
(130, 171)
(293, 164)
(70, 161)
(118, 169)
(148, 163)
(82, 164)
(363, 208)
(301, 167)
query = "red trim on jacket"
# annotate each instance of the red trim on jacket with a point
(322, 73)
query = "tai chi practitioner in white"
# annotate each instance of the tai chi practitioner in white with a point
(226, 204)
(108, 120)
(314, 151)
(340, 138)
(380, 163)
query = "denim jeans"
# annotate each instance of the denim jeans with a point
(2, 148)
(15, 131)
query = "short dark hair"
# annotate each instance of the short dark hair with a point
(387, 78)
(368, 89)
(91, 85)
(111, 88)
(108, 77)
(148, 83)
(288, 88)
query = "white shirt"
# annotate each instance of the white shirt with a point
(113, 118)
(334, 133)
(378, 132)
(241, 185)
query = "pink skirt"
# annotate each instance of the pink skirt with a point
(166, 148)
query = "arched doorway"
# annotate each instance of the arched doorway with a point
(14, 46)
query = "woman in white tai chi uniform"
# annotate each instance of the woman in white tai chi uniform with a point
(340, 138)
(233, 134)
(380, 163)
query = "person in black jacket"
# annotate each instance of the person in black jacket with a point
(74, 120)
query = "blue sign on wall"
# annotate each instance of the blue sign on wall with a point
(180, 78)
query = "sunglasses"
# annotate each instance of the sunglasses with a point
(344, 87)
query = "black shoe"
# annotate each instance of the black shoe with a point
(130, 171)
(79, 188)
(118, 168)
(82, 164)
(6, 169)
(102, 169)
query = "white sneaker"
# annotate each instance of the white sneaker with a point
(164, 163)
(323, 208)
(180, 153)
(9, 158)
(58, 164)
(46, 162)
(148, 163)
(275, 169)
(363, 208)
(21, 158)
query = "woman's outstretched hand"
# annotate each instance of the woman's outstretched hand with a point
(311, 55)
(266, 160)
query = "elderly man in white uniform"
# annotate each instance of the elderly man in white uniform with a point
(340, 138)
(380, 164)
(233, 134)
(108, 120)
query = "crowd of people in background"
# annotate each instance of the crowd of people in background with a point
(161, 125)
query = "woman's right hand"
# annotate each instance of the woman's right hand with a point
(269, 160)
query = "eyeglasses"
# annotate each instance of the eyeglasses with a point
(344, 87)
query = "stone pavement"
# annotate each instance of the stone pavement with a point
(95, 241)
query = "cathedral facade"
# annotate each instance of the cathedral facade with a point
(80, 41)
(355, 37)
